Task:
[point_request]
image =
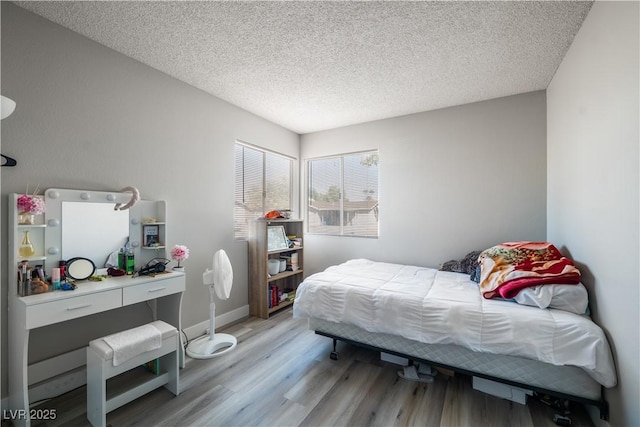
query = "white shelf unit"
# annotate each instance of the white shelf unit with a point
(46, 233)
(16, 235)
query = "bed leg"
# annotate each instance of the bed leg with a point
(604, 410)
(334, 354)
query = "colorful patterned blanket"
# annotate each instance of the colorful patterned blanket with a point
(510, 267)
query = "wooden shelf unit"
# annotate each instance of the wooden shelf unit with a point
(259, 255)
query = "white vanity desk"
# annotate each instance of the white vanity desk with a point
(26, 313)
(57, 235)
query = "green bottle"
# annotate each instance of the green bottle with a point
(130, 263)
(121, 260)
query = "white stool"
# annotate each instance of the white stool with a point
(100, 368)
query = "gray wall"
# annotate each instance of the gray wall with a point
(451, 181)
(88, 117)
(592, 115)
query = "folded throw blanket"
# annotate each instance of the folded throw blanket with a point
(510, 267)
(130, 343)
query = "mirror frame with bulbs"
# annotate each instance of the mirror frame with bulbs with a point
(139, 215)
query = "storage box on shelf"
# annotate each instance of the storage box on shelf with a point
(269, 293)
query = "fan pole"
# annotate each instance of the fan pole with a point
(212, 317)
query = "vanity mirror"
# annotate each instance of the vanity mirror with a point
(84, 224)
(92, 230)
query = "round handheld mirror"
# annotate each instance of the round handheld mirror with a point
(80, 268)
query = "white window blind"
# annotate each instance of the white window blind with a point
(262, 183)
(343, 195)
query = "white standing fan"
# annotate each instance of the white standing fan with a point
(219, 280)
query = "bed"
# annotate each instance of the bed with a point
(441, 318)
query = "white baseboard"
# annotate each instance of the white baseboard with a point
(199, 329)
(71, 379)
(61, 364)
(59, 385)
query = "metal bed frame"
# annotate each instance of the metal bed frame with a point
(601, 404)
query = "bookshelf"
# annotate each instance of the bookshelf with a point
(267, 292)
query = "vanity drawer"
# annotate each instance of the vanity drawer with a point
(72, 308)
(151, 290)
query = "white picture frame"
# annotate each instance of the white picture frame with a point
(151, 235)
(276, 238)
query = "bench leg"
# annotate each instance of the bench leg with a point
(171, 361)
(96, 390)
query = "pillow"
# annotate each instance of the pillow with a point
(571, 298)
(453, 265)
(466, 265)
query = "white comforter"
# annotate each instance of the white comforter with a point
(438, 307)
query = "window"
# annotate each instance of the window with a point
(343, 195)
(263, 183)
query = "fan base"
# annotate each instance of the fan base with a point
(208, 347)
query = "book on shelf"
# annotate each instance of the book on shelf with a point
(274, 296)
(291, 261)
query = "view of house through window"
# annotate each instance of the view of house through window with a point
(343, 195)
(263, 182)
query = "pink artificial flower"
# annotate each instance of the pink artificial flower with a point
(179, 253)
(37, 205)
(31, 204)
(24, 203)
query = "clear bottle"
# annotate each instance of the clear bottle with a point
(26, 248)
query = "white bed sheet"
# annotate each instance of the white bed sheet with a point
(438, 307)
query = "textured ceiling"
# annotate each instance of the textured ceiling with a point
(311, 66)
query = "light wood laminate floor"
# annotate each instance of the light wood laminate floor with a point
(281, 375)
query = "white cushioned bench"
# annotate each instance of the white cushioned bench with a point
(100, 367)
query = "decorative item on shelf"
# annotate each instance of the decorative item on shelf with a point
(26, 218)
(273, 215)
(29, 206)
(277, 238)
(151, 236)
(179, 253)
(26, 248)
(273, 266)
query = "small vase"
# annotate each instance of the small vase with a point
(26, 248)
(26, 218)
(181, 269)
